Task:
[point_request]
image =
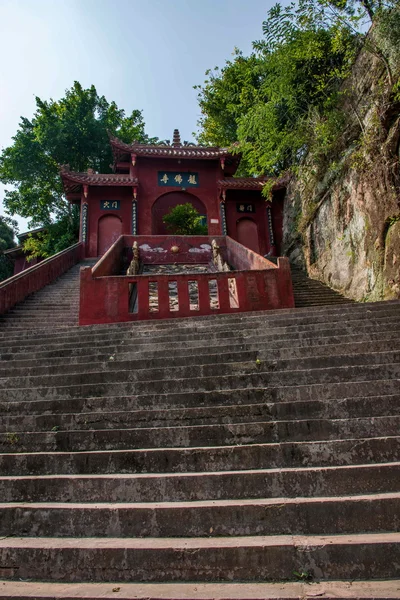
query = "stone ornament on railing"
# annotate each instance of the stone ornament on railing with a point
(217, 259)
(133, 268)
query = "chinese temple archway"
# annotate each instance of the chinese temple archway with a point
(247, 232)
(110, 228)
(167, 201)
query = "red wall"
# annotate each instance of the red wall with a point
(234, 197)
(146, 169)
(98, 193)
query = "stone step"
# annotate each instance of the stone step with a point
(175, 399)
(200, 435)
(109, 362)
(306, 346)
(290, 357)
(175, 487)
(273, 516)
(248, 320)
(328, 590)
(240, 413)
(242, 375)
(178, 366)
(258, 558)
(205, 459)
(147, 343)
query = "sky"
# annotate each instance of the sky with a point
(144, 54)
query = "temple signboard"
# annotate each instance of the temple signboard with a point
(245, 207)
(176, 179)
(110, 204)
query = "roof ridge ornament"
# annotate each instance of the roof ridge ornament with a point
(176, 142)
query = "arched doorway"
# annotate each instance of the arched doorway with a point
(109, 230)
(247, 234)
(167, 201)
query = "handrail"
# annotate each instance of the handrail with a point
(38, 265)
(18, 287)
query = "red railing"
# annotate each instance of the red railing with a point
(18, 287)
(116, 299)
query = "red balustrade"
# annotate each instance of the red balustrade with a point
(17, 288)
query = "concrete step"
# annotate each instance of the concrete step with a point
(178, 366)
(329, 590)
(260, 558)
(291, 336)
(273, 516)
(237, 375)
(204, 459)
(200, 435)
(291, 317)
(301, 393)
(224, 485)
(306, 346)
(240, 413)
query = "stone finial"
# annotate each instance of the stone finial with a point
(177, 138)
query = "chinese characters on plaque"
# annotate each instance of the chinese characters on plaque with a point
(174, 179)
(110, 204)
(245, 207)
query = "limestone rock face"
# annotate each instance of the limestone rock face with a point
(350, 232)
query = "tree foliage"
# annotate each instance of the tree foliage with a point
(184, 219)
(73, 130)
(8, 229)
(286, 98)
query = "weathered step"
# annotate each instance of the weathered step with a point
(205, 459)
(274, 516)
(328, 590)
(305, 393)
(117, 383)
(318, 347)
(110, 363)
(220, 324)
(262, 558)
(176, 487)
(177, 367)
(113, 341)
(99, 419)
(307, 346)
(200, 435)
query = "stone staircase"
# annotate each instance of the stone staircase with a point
(310, 292)
(252, 456)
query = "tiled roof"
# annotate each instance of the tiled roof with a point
(166, 151)
(73, 180)
(242, 183)
(249, 183)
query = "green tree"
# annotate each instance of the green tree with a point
(287, 98)
(8, 229)
(73, 130)
(184, 219)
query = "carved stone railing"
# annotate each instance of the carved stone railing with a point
(258, 284)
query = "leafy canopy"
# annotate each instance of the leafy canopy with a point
(285, 98)
(184, 219)
(8, 229)
(72, 130)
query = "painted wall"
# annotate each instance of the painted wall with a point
(149, 191)
(233, 216)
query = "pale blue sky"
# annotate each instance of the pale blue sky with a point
(144, 54)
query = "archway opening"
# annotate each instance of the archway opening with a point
(109, 230)
(247, 234)
(163, 205)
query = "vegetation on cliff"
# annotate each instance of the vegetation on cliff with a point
(289, 97)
